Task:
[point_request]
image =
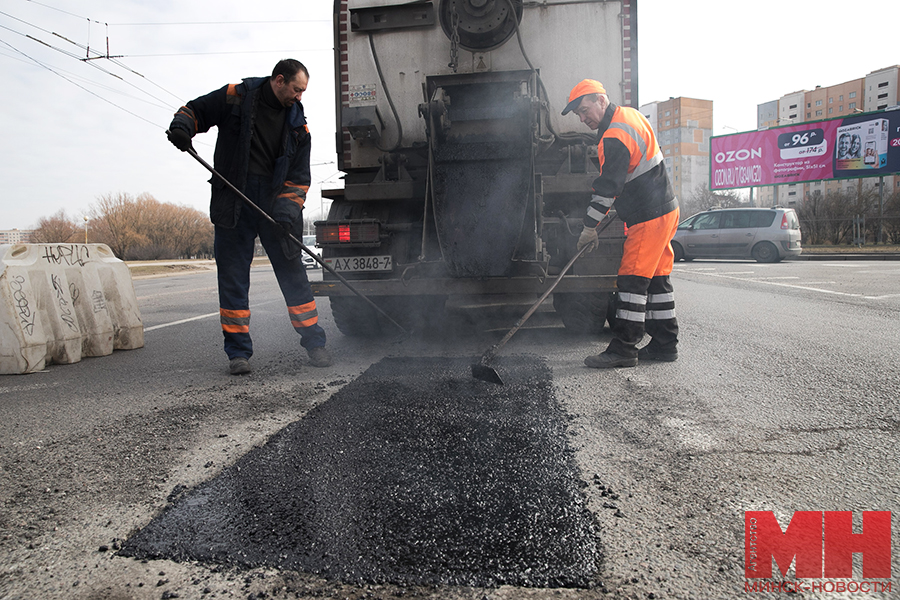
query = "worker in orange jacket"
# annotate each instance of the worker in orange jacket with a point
(633, 179)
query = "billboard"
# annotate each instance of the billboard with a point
(861, 145)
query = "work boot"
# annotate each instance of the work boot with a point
(320, 357)
(608, 360)
(239, 366)
(648, 352)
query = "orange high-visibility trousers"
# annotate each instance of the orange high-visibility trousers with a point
(646, 302)
(648, 252)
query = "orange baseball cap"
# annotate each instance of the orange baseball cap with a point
(584, 87)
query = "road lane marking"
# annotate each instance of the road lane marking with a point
(788, 285)
(171, 292)
(767, 278)
(197, 318)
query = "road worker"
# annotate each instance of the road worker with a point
(632, 179)
(263, 149)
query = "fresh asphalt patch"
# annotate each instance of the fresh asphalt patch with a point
(414, 473)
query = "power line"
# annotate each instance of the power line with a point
(60, 10)
(18, 57)
(87, 50)
(95, 66)
(76, 84)
(294, 51)
(163, 24)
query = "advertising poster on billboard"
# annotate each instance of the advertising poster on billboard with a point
(863, 145)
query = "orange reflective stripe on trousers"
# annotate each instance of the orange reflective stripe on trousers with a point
(304, 315)
(235, 321)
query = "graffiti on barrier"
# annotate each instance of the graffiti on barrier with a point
(71, 254)
(65, 311)
(26, 315)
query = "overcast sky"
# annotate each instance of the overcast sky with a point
(75, 130)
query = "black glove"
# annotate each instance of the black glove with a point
(284, 229)
(179, 138)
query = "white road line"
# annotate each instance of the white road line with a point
(181, 322)
(206, 316)
(797, 287)
(767, 278)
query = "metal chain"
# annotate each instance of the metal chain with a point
(454, 39)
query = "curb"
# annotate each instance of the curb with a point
(850, 256)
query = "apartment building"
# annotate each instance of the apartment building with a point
(876, 91)
(683, 127)
(15, 236)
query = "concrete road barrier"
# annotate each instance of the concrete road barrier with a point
(60, 302)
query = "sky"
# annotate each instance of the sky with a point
(75, 130)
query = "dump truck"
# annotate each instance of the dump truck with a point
(464, 186)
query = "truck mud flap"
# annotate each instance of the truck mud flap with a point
(479, 208)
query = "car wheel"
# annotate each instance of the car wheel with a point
(765, 252)
(678, 251)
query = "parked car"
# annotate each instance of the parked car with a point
(309, 262)
(763, 234)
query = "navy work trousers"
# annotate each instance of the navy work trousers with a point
(234, 253)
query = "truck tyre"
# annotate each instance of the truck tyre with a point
(356, 318)
(583, 312)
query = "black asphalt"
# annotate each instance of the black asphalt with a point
(414, 473)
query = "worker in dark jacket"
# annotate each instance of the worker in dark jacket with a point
(263, 149)
(633, 179)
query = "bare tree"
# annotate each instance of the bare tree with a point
(891, 230)
(828, 218)
(56, 229)
(703, 198)
(117, 222)
(144, 228)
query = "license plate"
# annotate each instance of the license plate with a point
(360, 263)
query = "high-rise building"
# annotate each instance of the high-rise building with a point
(15, 236)
(876, 91)
(683, 127)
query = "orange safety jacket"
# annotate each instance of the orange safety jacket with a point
(632, 172)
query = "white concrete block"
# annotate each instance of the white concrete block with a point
(59, 302)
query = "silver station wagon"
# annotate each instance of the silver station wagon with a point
(763, 234)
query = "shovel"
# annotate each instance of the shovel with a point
(482, 370)
(291, 236)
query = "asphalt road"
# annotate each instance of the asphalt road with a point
(784, 399)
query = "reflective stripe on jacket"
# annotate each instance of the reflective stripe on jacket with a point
(633, 175)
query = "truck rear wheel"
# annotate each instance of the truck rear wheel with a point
(585, 312)
(356, 318)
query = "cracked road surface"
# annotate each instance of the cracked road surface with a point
(783, 399)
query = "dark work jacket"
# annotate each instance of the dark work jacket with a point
(232, 109)
(632, 170)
